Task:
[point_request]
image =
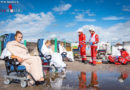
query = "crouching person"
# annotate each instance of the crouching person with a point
(20, 52)
(123, 59)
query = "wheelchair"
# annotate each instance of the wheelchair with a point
(65, 58)
(46, 59)
(15, 72)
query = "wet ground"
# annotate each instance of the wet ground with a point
(80, 76)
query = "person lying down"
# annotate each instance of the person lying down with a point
(33, 64)
(56, 57)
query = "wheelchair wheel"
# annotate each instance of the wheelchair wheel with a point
(70, 60)
(23, 84)
(7, 81)
(53, 68)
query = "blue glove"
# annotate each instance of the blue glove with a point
(117, 57)
(91, 43)
(81, 46)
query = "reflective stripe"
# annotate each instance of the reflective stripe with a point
(123, 60)
(92, 39)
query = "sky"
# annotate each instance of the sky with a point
(62, 18)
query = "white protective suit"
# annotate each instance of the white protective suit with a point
(56, 57)
(69, 53)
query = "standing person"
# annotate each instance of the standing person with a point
(94, 39)
(82, 46)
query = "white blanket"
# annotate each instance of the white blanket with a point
(56, 57)
(5, 53)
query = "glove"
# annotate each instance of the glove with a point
(91, 43)
(81, 46)
(116, 57)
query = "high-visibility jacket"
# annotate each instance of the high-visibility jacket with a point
(94, 38)
(82, 40)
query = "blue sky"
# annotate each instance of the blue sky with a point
(65, 17)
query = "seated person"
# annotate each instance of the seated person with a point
(123, 59)
(33, 64)
(56, 57)
(69, 56)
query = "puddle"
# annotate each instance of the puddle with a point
(89, 80)
(72, 80)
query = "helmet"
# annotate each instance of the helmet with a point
(91, 29)
(80, 30)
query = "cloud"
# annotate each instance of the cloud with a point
(70, 24)
(126, 8)
(84, 12)
(32, 25)
(68, 36)
(89, 13)
(80, 17)
(61, 8)
(117, 33)
(113, 18)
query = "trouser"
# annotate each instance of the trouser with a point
(93, 54)
(112, 59)
(34, 66)
(119, 60)
(82, 81)
(83, 53)
(122, 60)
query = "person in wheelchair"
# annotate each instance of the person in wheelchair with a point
(18, 51)
(66, 56)
(56, 57)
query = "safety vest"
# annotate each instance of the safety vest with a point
(92, 39)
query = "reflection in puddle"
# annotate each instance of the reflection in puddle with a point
(88, 80)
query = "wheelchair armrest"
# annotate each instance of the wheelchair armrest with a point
(64, 54)
(48, 57)
(15, 62)
(12, 61)
(14, 57)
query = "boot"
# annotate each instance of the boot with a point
(86, 61)
(82, 61)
